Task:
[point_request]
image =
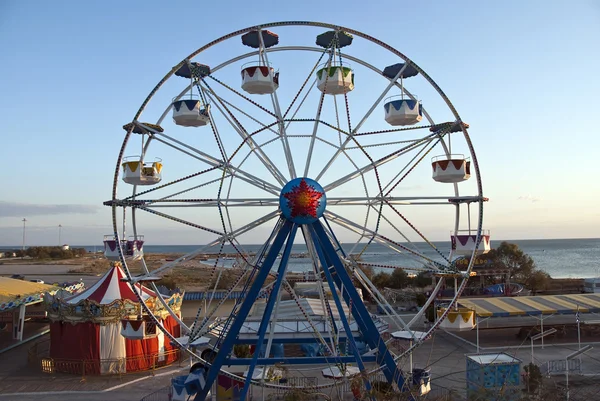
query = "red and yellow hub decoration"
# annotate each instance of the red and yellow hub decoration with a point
(302, 201)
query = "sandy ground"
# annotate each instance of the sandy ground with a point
(445, 353)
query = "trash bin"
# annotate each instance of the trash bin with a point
(179, 392)
(421, 374)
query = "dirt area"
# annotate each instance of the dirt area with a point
(197, 275)
(189, 275)
(563, 286)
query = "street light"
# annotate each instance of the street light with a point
(538, 336)
(571, 356)
(24, 221)
(59, 229)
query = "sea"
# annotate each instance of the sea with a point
(561, 258)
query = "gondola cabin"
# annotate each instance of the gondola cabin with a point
(138, 328)
(335, 80)
(138, 172)
(460, 319)
(259, 79)
(451, 168)
(463, 242)
(133, 248)
(190, 113)
(403, 111)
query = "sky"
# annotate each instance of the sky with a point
(522, 74)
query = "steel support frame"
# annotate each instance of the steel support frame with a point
(227, 346)
(273, 296)
(338, 279)
(341, 278)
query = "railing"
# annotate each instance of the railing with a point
(401, 97)
(258, 63)
(136, 158)
(560, 366)
(187, 96)
(38, 355)
(111, 237)
(455, 156)
(473, 231)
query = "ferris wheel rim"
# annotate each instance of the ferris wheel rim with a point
(325, 25)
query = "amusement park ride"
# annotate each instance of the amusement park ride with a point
(302, 161)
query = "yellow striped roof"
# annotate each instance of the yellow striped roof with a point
(533, 305)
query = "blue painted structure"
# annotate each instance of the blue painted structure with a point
(493, 374)
(308, 214)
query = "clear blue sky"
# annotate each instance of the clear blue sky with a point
(523, 74)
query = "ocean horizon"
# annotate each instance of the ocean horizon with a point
(561, 258)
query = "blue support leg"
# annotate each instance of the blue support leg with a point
(227, 345)
(359, 311)
(338, 303)
(264, 324)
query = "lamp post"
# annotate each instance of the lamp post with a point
(568, 358)
(59, 232)
(24, 221)
(537, 337)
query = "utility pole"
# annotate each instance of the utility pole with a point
(59, 228)
(24, 221)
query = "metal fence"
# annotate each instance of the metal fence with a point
(38, 355)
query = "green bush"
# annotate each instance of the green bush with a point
(430, 313)
(421, 299)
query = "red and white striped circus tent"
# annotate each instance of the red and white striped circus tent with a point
(104, 328)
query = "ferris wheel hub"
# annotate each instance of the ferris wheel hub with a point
(302, 200)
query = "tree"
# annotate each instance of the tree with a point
(510, 257)
(381, 280)
(539, 280)
(422, 280)
(521, 266)
(399, 279)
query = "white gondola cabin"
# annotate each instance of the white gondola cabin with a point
(133, 248)
(399, 111)
(138, 328)
(190, 112)
(335, 80)
(464, 241)
(451, 168)
(138, 172)
(460, 319)
(259, 79)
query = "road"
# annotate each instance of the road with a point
(48, 273)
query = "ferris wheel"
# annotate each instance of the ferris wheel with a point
(328, 151)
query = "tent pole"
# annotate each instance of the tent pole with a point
(477, 328)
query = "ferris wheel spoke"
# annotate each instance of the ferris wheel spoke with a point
(222, 202)
(401, 172)
(361, 122)
(212, 95)
(316, 123)
(306, 81)
(377, 296)
(397, 247)
(398, 231)
(378, 163)
(277, 108)
(215, 162)
(188, 177)
(379, 144)
(393, 131)
(242, 230)
(416, 230)
(413, 166)
(204, 81)
(222, 107)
